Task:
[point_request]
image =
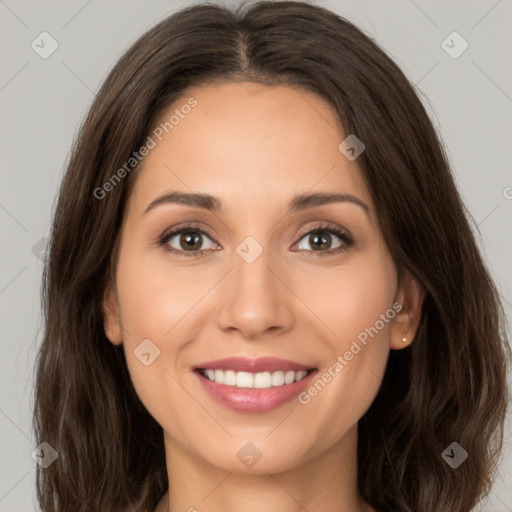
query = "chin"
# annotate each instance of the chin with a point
(257, 458)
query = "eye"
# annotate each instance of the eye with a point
(186, 239)
(320, 240)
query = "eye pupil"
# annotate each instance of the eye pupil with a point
(190, 237)
(320, 241)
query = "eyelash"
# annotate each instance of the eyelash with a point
(341, 233)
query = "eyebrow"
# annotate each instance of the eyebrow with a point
(214, 204)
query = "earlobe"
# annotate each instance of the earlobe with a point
(111, 317)
(406, 322)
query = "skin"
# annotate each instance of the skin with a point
(254, 147)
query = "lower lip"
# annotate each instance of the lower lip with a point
(254, 400)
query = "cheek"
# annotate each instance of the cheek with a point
(362, 318)
(350, 299)
(154, 297)
(152, 305)
(355, 303)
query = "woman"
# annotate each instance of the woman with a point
(262, 290)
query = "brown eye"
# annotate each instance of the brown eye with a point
(322, 240)
(187, 239)
(319, 241)
(190, 241)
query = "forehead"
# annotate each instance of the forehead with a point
(247, 143)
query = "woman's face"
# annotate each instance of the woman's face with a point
(248, 282)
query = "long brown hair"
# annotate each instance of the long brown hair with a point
(448, 385)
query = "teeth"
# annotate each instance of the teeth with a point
(230, 378)
(262, 380)
(289, 377)
(244, 380)
(277, 378)
(219, 376)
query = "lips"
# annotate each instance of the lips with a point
(263, 364)
(254, 385)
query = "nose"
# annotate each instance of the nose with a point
(255, 301)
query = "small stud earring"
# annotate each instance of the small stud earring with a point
(404, 339)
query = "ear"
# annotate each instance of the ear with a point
(405, 324)
(111, 317)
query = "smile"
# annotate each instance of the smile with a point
(253, 385)
(263, 380)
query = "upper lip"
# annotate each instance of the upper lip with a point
(244, 364)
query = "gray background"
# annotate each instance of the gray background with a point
(43, 100)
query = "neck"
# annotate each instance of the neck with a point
(326, 482)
